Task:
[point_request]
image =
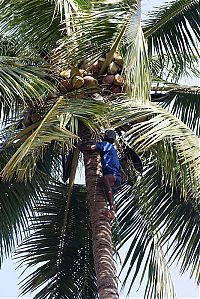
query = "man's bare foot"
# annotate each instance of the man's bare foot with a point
(113, 208)
(110, 214)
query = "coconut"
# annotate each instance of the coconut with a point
(108, 79)
(118, 59)
(83, 72)
(75, 72)
(65, 85)
(94, 68)
(90, 82)
(65, 74)
(113, 68)
(101, 62)
(118, 80)
(116, 89)
(77, 82)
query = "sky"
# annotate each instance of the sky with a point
(184, 287)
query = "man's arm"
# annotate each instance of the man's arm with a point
(83, 147)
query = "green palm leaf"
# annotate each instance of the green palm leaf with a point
(18, 200)
(136, 68)
(21, 82)
(96, 33)
(172, 31)
(70, 8)
(175, 131)
(163, 133)
(38, 23)
(165, 69)
(144, 255)
(182, 237)
(147, 221)
(27, 154)
(52, 128)
(183, 102)
(37, 26)
(67, 264)
(7, 47)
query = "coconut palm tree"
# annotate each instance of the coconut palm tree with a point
(91, 66)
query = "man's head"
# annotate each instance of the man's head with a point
(110, 136)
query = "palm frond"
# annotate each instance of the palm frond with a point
(136, 66)
(167, 70)
(95, 34)
(38, 24)
(144, 255)
(152, 127)
(173, 31)
(18, 199)
(67, 9)
(52, 128)
(32, 23)
(7, 47)
(146, 220)
(70, 271)
(136, 69)
(16, 204)
(26, 156)
(182, 239)
(183, 102)
(170, 127)
(21, 79)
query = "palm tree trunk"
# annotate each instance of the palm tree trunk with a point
(101, 229)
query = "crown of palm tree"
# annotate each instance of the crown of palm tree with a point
(159, 212)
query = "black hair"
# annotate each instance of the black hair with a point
(111, 140)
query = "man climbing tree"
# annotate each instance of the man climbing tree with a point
(113, 173)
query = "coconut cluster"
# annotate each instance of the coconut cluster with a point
(87, 81)
(76, 78)
(88, 78)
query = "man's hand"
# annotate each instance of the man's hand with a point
(83, 147)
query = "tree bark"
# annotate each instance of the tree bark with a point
(101, 229)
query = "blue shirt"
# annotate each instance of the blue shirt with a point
(109, 158)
